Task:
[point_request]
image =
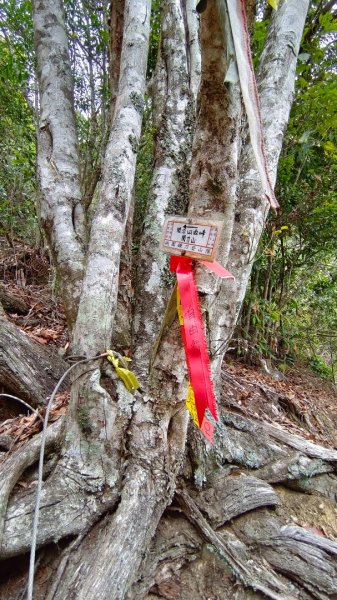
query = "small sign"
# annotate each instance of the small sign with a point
(194, 237)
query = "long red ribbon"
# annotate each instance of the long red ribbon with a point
(194, 339)
(195, 343)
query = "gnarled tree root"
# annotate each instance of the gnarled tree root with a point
(249, 570)
(14, 466)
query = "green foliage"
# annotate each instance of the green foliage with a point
(319, 366)
(154, 38)
(88, 35)
(290, 309)
(144, 170)
(17, 128)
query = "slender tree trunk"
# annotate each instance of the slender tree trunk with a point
(276, 76)
(62, 214)
(175, 85)
(100, 285)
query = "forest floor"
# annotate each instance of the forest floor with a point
(300, 402)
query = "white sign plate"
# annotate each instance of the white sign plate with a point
(194, 237)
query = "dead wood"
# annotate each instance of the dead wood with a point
(323, 485)
(296, 552)
(281, 435)
(12, 303)
(27, 369)
(231, 495)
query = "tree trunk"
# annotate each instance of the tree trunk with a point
(174, 89)
(61, 210)
(109, 520)
(275, 77)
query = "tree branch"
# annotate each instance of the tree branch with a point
(98, 301)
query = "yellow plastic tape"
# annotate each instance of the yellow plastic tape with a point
(190, 400)
(190, 405)
(129, 379)
(179, 309)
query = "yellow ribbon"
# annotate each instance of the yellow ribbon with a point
(129, 379)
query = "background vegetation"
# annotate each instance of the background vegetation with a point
(290, 311)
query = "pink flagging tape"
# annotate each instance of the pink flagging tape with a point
(194, 339)
(200, 395)
(217, 269)
(207, 429)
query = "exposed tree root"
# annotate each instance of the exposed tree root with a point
(300, 554)
(70, 504)
(14, 466)
(82, 489)
(294, 441)
(248, 569)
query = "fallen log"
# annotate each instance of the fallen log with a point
(28, 369)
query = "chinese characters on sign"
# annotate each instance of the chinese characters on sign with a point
(191, 237)
(186, 239)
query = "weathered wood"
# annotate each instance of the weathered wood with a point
(14, 466)
(295, 466)
(12, 303)
(294, 441)
(27, 369)
(175, 545)
(251, 571)
(323, 484)
(70, 505)
(233, 495)
(301, 555)
(301, 444)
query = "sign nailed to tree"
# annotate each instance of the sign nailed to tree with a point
(194, 237)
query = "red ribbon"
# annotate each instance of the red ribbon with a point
(194, 338)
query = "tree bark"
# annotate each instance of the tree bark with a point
(123, 456)
(275, 77)
(61, 211)
(98, 302)
(174, 89)
(27, 369)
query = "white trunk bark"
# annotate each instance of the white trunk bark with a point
(214, 170)
(98, 302)
(174, 109)
(276, 78)
(61, 209)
